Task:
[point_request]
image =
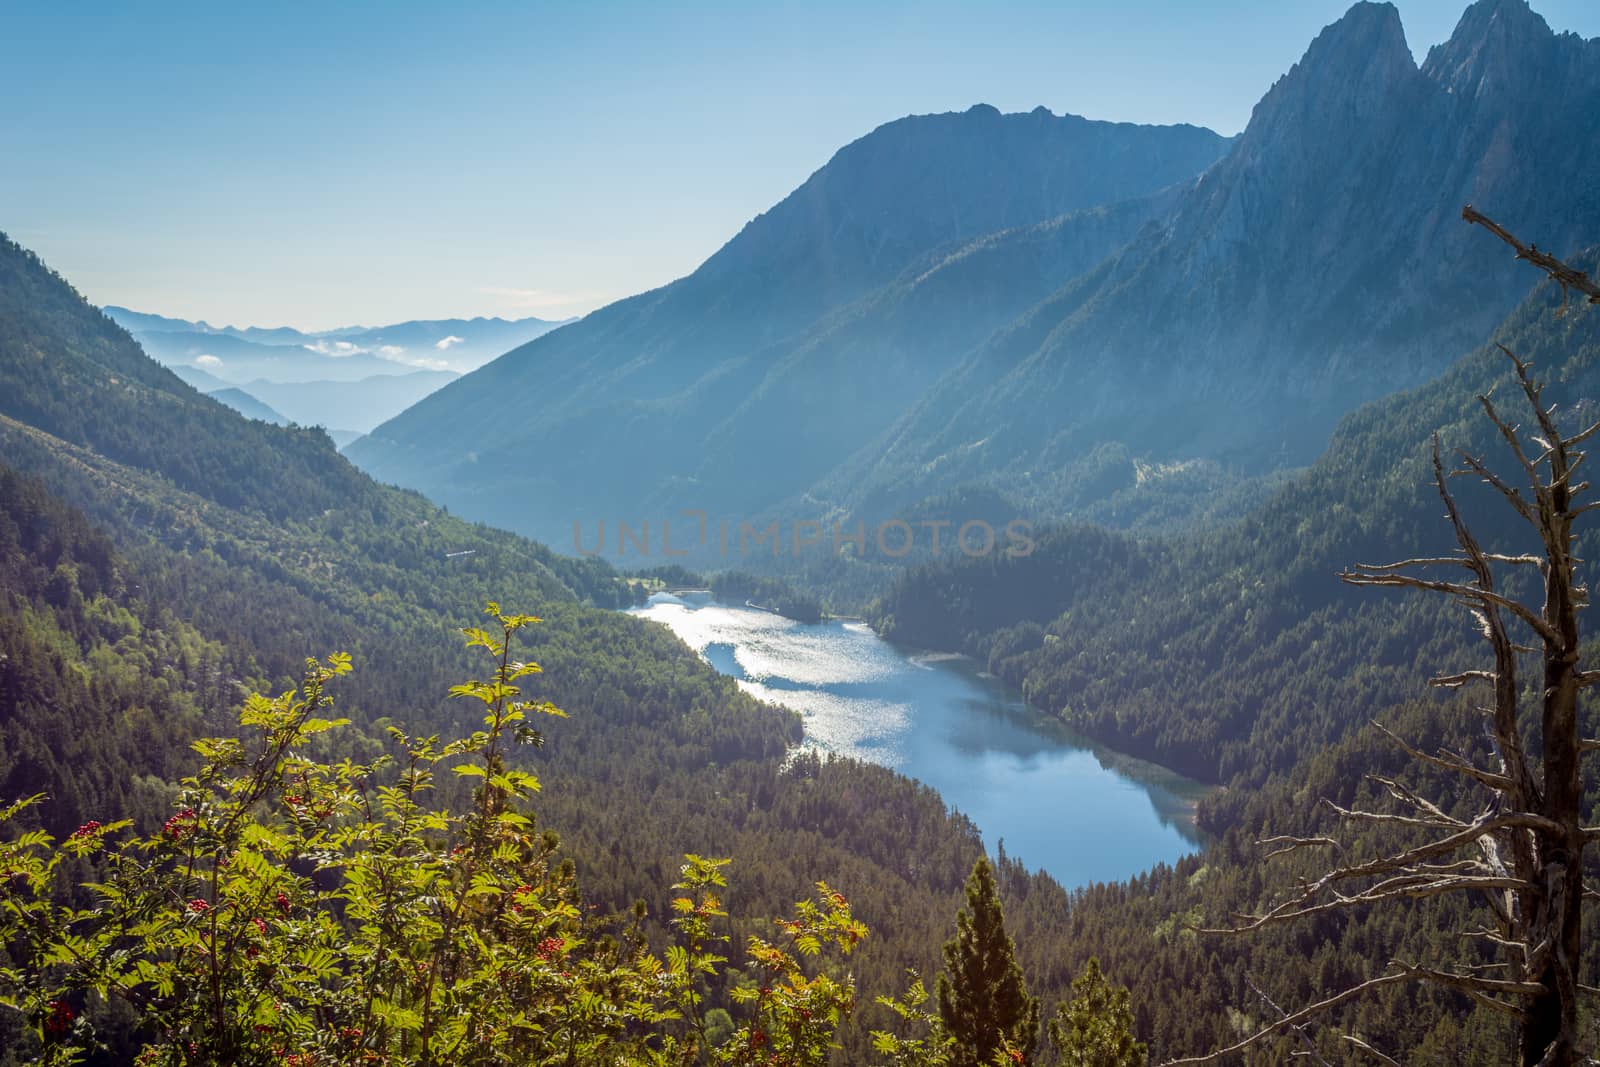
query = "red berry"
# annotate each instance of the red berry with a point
(61, 1016)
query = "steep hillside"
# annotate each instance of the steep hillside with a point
(1235, 654)
(143, 593)
(68, 370)
(1321, 264)
(663, 400)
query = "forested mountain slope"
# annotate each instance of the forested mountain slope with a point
(659, 401)
(1234, 654)
(145, 595)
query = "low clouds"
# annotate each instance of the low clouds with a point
(336, 349)
(393, 353)
(446, 342)
(208, 361)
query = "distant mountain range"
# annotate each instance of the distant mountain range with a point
(1052, 309)
(347, 380)
(237, 354)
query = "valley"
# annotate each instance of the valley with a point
(512, 685)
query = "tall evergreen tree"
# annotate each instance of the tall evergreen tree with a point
(982, 999)
(1095, 1028)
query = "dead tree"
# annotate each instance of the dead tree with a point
(1523, 853)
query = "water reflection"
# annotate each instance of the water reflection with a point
(1022, 777)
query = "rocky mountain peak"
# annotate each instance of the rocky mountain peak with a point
(1350, 72)
(1496, 43)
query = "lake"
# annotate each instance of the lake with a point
(1058, 803)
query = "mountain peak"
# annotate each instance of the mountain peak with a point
(1348, 75)
(1514, 15)
(1367, 40)
(1493, 39)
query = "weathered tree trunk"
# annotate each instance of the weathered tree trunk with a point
(1550, 1031)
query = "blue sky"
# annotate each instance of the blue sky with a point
(326, 164)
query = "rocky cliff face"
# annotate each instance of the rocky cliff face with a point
(1322, 263)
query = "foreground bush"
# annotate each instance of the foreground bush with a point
(295, 911)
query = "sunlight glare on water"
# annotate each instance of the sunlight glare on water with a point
(1019, 775)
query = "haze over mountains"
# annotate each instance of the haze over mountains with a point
(630, 397)
(458, 345)
(347, 380)
(982, 311)
(1321, 264)
(978, 300)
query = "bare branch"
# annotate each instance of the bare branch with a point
(1531, 561)
(1527, 845)
(1449, 760)
(1296, 1019)
(1404, 887)
(1358, 815)
(1551, 439)
(1425, 561)
(1456, 681)
(1509, 432)
(1389, 1061)
(1479, 989)
(1583, 435)
(1287, 844)
(1299, 1031)
(1364, 576)
(1405, 795)
(1473, 982)
(1512, 495)
(1491, 936)
(1559, 272)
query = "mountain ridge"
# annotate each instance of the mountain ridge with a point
(1320, 264)
(622, 394)
(288, 354)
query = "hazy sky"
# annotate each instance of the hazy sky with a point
(326, 164)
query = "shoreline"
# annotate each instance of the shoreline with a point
(1170, 799)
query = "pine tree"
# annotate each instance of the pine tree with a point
(982, 1000)
(1095, 1028)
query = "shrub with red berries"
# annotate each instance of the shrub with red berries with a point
(59, 1019)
